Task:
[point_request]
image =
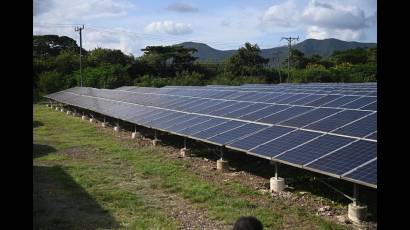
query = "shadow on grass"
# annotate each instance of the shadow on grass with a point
(37, 124)
(42, 150)
(60, 203)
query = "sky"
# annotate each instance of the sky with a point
(130, 25)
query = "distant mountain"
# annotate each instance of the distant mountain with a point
(309, 47)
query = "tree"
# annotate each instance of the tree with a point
(51, 45)
(247, 61)
(167, 60)
(352, 56)
(101, 56)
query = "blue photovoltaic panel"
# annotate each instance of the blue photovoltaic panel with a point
(323, 100)
(150, 116)
(177, 119)
(337, 120)
(249, 109)
(188, 123)
(231, 135)
(289, 100)
(359, 103)
(314, 149)
(307, 99)
(202, 126)
(341, 101)
(360, 128)
(260, 137)
(347, 158)
(205, 105)
(210, 132)
(284, 143)
(281, 97)
(310, 117)
(366, 173)
(264, 112)
(285, 114)
(168, 116)
(372, 136)
(228, 109)
(371, 106)
(207, 110)
(268, 96)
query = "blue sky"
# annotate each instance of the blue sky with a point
(223, 24)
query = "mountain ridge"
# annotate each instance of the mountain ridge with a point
(309, 47)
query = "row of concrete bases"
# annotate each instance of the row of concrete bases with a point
(357, 213)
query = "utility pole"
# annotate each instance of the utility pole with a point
(289, 39)
(78, 28)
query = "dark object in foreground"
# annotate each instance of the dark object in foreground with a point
(248, 223)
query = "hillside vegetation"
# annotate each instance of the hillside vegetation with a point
(56, 66)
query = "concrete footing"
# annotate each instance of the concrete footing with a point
(68, 112)
(133, 135)
(185, 152)
(155, 142)
(83, 118)
(56, 108)
(116, 128)
(357, 213)
(103, 124)
(277, 184)
(62, 110)
(222, 165)
(91, 120)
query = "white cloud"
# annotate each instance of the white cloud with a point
(181, 8)
(343, 34)
(337, 17)
(169, 27)
(282, 15)
(319, 20)
(78, 10)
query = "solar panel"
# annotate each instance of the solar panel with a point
(231, 108)
(284, 114)
(323, 100)
(347, 158)
(264, 112)
(309, 117)
(314, 149)
(188, 123)
(366, 173)
(337, 120)
(202, 126)
(212, 131)
(260, 137)
(371, 106)
(236, 133)
(340, 101)
(246, 110)
(332, 118)
(308, 99)
(359, 103)
(281, 144)
(360, 128)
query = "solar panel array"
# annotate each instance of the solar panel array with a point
(330, 128)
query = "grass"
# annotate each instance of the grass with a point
(113, 179)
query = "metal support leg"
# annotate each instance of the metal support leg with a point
(276, 170)
(355, 194)
(221, 152)
(184, 142)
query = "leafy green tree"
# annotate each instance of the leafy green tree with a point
(353, 56)
(247, 61)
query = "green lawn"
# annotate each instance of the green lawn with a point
(84, 178)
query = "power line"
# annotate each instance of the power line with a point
(289, 39)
